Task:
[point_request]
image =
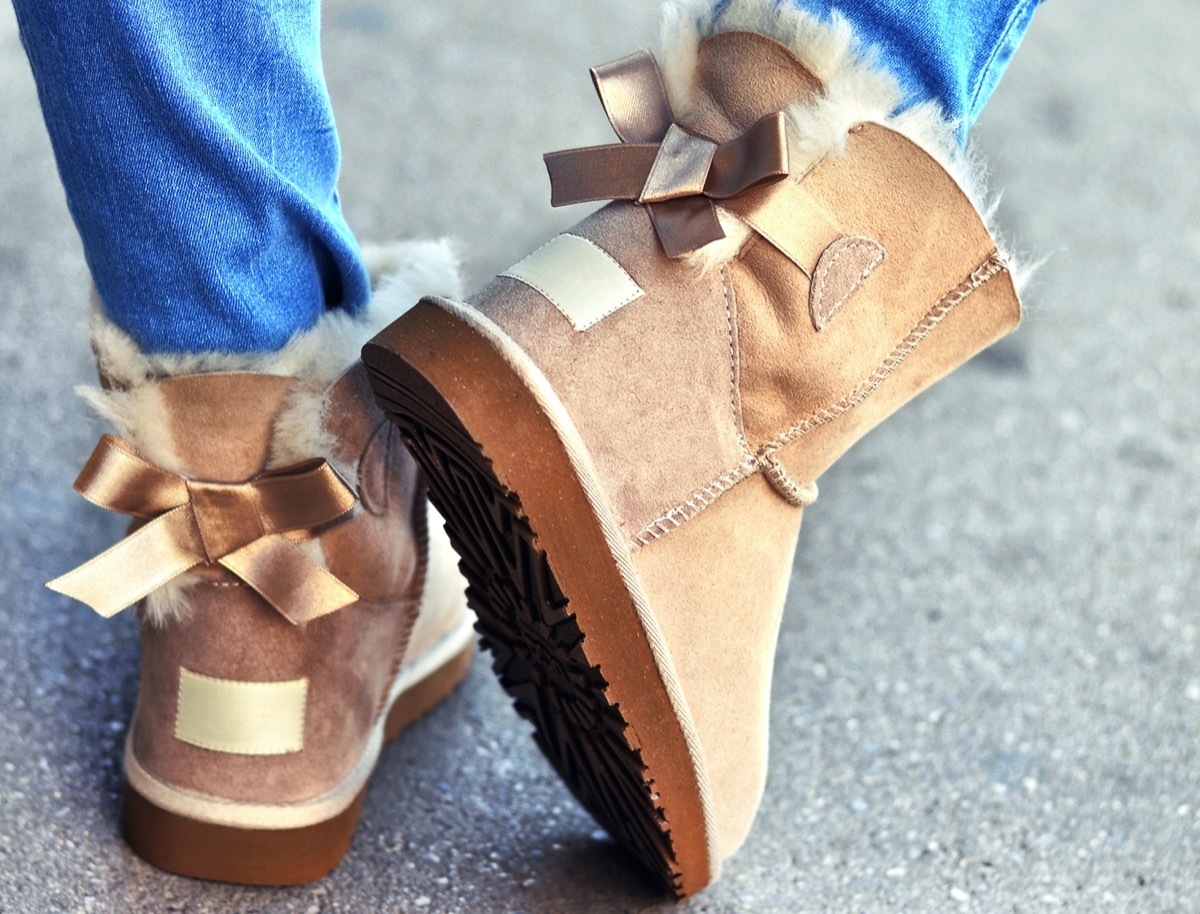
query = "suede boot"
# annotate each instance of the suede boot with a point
(297, 607)
(623, 429)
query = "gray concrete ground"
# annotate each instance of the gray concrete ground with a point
(987, 695)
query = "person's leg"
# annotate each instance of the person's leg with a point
(197, 147)
(294, 616)
(951, 51)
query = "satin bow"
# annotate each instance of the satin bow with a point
(679, 176)
(239, 526)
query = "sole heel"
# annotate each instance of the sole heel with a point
(202, 850)
(270, 856)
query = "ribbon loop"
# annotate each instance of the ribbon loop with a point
(685, 224)
(302, 496)
(599, 172)
(634, 97)
(675, 174)
(756, 158)
(120, 479)
(192, 522)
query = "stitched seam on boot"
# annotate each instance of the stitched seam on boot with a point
(696, 502)
(789, 490)
(822, 312)
(704, 496)
(674, 516)
(926, 325)
(734, 366)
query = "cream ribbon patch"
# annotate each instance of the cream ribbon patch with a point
(241, 718)
(579, 278)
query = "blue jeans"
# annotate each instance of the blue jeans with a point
(952, 51)
(197, 147)
(196, 144)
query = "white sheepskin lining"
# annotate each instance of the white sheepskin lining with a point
(401, 273)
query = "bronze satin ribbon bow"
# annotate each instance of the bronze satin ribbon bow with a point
(677, 175)
(238, 526)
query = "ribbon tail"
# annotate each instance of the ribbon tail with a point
(615, 172)
(281, 573)
(134, 567)
(788, 217)
(686, 224)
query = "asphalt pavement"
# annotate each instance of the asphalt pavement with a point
(987, 694)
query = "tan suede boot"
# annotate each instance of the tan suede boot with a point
(297, 609)
(623, 429)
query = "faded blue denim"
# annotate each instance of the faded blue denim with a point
(953, 51)
(197, 148)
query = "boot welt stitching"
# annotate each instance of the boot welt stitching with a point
(704, 496)
(695, 503)
(789, 490)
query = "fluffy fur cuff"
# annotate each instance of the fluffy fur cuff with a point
(401, 274)
(857, 89)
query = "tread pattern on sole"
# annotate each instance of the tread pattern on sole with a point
(525, 621)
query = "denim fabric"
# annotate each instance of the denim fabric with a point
(197, 148)
(953, 51)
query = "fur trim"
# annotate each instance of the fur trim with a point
(401, 273)
(858, 89)
(716, 254)
(170, 601)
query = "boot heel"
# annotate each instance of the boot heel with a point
(202, 850)
(285, 856)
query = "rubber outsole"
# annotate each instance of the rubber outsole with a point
(288, 856)
(551, 607)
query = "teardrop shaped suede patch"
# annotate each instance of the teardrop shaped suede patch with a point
(843, 267)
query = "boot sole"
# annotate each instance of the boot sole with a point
(554, 607)
(273, 856)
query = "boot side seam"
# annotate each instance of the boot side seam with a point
(699, 499)
(696, 502)
(763, 459)
(985, 271)
(735, 399)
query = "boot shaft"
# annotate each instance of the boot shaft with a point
(906, 282)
